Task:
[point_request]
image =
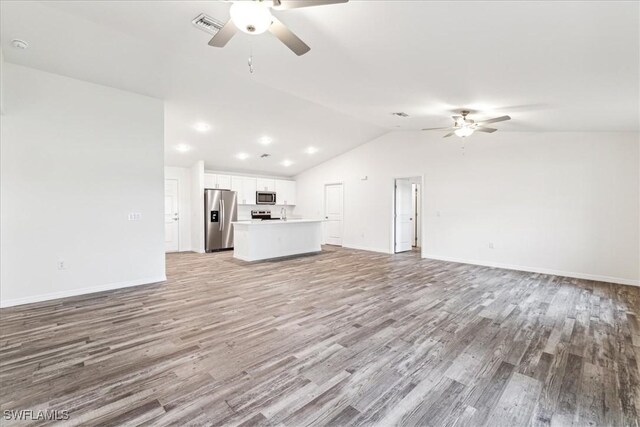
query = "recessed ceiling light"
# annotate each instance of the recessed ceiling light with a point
(242, 156)
(311, 150)
(287, 163)
(202, 127)
(183, 148)
(19, 44)
(265, 140)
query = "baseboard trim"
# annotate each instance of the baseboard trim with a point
(363, 248)
(598, 278)
(83, 291)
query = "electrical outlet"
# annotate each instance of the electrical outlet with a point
(490, 245)
(62, 265)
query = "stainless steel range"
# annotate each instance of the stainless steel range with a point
(263, 215)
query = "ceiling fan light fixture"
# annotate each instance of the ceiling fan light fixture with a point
(251, 17)
(464, 131)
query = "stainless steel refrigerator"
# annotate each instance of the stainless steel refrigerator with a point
(220, 208)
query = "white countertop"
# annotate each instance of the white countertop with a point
(275, 222)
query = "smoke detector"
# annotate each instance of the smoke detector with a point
(19, 44)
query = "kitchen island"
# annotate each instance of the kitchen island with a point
(260, 240)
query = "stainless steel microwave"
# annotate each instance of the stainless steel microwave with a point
(265, 198)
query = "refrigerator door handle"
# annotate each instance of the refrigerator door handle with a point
(221, 213)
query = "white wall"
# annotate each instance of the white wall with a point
(183, 176)
(77, 158)
(563, 203)
(197, 207)
(1, 81)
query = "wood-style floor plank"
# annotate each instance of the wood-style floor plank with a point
(343, 337)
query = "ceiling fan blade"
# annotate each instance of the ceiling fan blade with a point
(287, 37)
(449, 134)
(483, 129)
(222, 37)
(497, 119)
(447, 128)
(296, 4)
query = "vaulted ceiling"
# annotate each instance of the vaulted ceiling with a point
(553, 66)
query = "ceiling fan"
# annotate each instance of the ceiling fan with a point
(463, 127)
(254, 17)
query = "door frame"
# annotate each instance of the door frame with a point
(324, 208)
(177, 180)
(392, 243)
(417, 214)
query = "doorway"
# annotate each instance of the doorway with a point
(171, 216)
(407, 203)
(333, 214)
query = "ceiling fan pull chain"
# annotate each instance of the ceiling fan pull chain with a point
(251, 58)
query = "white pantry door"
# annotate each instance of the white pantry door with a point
(171, 216)
(403, 215)
(333, 214)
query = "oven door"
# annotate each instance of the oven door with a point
(265, 198)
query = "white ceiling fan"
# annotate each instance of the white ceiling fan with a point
(255, 17)
(463, 127)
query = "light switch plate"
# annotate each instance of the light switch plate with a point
(135, 216)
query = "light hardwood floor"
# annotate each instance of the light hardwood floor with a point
(340, 338)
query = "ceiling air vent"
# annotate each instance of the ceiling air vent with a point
(207, 24)
(265, 155)
(400, 114)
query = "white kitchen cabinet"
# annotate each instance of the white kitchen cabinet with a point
(217, 181)
(285, 192)
(246, 188)
(249, 190)
(209, 180)
(266, 184)
(236, 185)
(224, 182)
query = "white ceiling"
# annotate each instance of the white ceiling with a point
(553, 66)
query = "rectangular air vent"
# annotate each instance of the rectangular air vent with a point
(207, 24)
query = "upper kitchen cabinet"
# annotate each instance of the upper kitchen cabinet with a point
(285, 192)
(266, 184)
(245, 186)
(217, 181)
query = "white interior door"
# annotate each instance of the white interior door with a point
(171, 216)
(333, 214)
(403, 216)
